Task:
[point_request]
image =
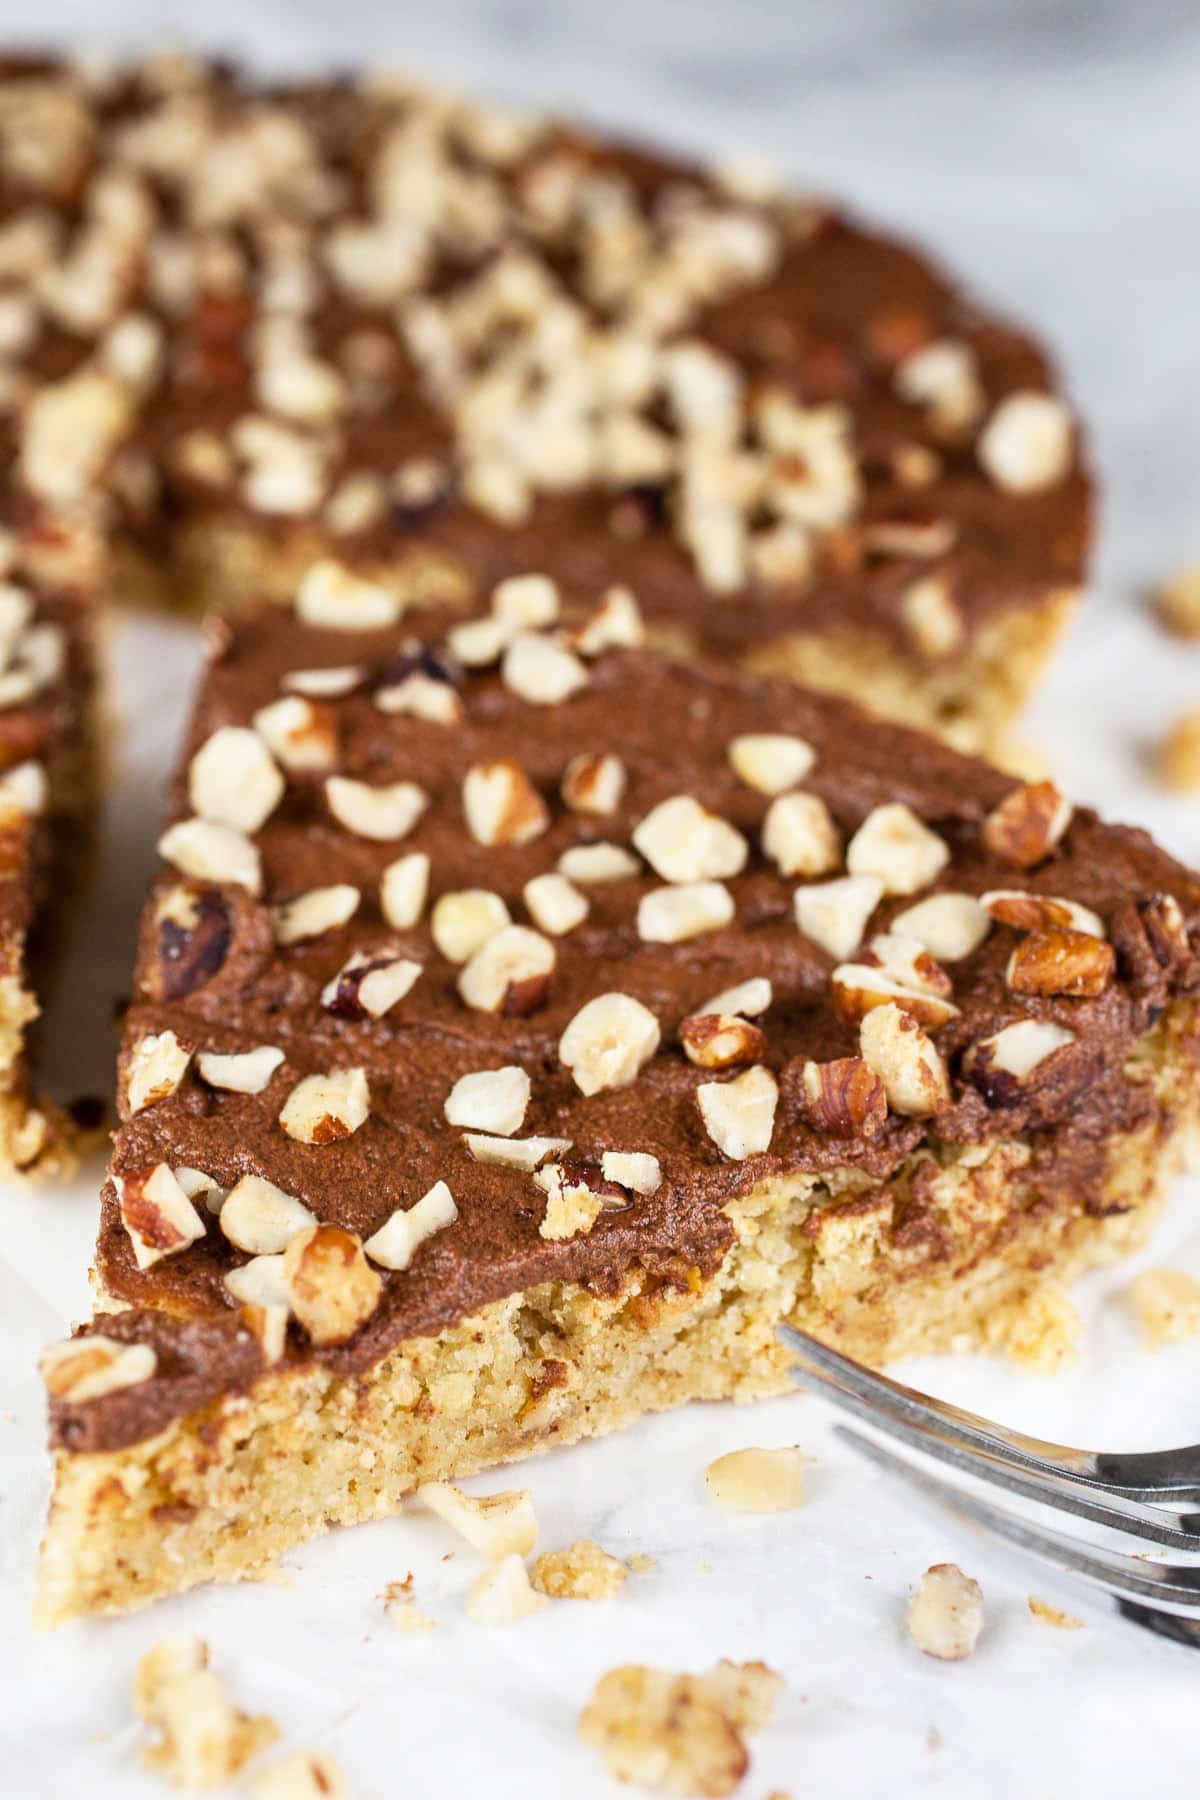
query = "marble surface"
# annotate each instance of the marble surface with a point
(1049, 151)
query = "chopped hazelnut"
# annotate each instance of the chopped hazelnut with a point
(1027, 825)
(244, 1072)
(844, 1097)
(834, 914)
(672, 915)
(330, 1285)
(514, 1153)
(403, 887)
(739, 1115)
(299, 732)
(1026, 445)
(907, 1062)
(950, 926)
(857, 987)
(945, 1617)
(259, 1217)
(721, 1040)
(898, 848)
(616, 624)
(555, 906)
(502, 1594)
(594, 784)
(461, 923)
(210, 852)
(757, 1481)
(1001, 1065)
(233, 780)
(526, 602)
(572, 1207)
(501, 804)
(1033, 912)
(380, 813)
(332, 597)
(157, 1214)
(633, 1169)
(157, 1064)
(313, 914)
(87, 1368)
(1057, 960)
(772, 762)
(800, 837)
(498, 1525)
(369, 984)
(323, 1108)
(749, 999)
(608, 1041)
(541, 671)
(683, 842)
(398, 1239)
(593, 864)
(492, 1100)
(509, 973)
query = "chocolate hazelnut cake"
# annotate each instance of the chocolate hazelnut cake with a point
(526, 1024)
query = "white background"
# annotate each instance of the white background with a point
(1052, 156)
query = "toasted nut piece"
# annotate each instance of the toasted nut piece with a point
(615, 625)
(398, 1239)
(501, 804)
(509, 974)
(1057, 960)
(942, 376)
(946, 1614)
(260, 1283)
(1178, 757)
(671, 915)
(300, 733)
(331, 1286)
(539, 670)
(269, 1325)
(332, 597)
(632, 1169)
(800, 837)
(950, 926)
(380, 813)
(233, 779)
(771, 761)
(202, 1741)
(1027, 444)
(322, 684)
(302, 1775)
(514, 1153)
(898, 848)
(912, 1071)
(1167, 1304)
(679, 1733)
(1028, 823)
(259, 1217)
(844, 1097)
(369, 984)
(209, 852)
(157, 1065)
(87, 1368)
(246, 1072)
(931, 618)
(1000, 1065)
(421, 696)
(1166, 930)
(721, 1040)
(502, 1594)
(683, 842)
(608, 1041)
(572, 1206)
(157, 1214)
(193, 936)
(493, 1100)
(582, 1572)
(311, 915)
(834, 914)
(857, 987)
(1031, 912)
(477, 642)
(1053, 1615)
(526, 602)
(757, 1481)
(1178, 602)
(594, 784)
(749, 999)
(739, 1115)
(403, 887)
(595, 863)
(497, 1525)
(24, 789)
(462, 922)
(554, 904)
(323, 1108)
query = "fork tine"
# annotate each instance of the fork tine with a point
(1125, 1578)
(1030, 1482)
(1152, 1476)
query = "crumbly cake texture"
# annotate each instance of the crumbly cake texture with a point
(524, 1025)
(256, 324)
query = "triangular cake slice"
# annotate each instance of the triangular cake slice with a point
(524, 1025)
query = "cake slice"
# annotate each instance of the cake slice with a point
(524, 1025)
(448, 342)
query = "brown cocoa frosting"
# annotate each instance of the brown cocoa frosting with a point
(671, 726)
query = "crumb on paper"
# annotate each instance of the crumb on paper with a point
(399, 1603)
(581, 1572)
(1177, 602)
(1167, 1305)
(641, 1564)
(945, 1616)
(681, 1734)
(1053, 1615)
(1177, 758)
(201, 1740)
(1040, 1330)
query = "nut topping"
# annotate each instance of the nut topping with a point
(157, 1065)
(246, 1072)
(493, 1100)
(260, 1283)
(907, 961)
(323, 1108)
(514, 1153)
(671, 915)
(501, 804)
(330, 1284)
(844, 1097)
(320, 684)
(194, 934)
(497, 1525)
(259, 1217)
(739, 1115)
(913, 1073)
(683, 842)
(157, 1214)
(721, 1040)
(463, 922)
(608, 1041)
(1026, 445)
(950, 926)
(834, 914)
(632, 1169)
(1057, 960)
(401, 1235)
(1000, 1066)
(403, 887)
(88, 1368)
(1027, 825)
(539, 670)
(509, 974)
(572, 1204)
(615, 625)
(593, 864)
(526, 602)
(209, 852)
(299, 732)
(1033, 912)
(233, 780)
(313, 914)
(331, 597)
(369, 984)
(750, 999)
(898, 848)
(555, 906)
(594, 784)
(772, 762)
(800, 837)
(380, 813)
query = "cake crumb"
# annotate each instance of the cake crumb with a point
(582, 1572)
(201, 1740)
(1053, 1615)
(1167, 1305)
(304, 1775)
(399, 1603)
(1177, 602)
(681, 1734)
(1040, 1330)
(641, 1564)
(1177, 759)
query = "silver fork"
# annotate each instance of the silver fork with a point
(1143, 1494)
